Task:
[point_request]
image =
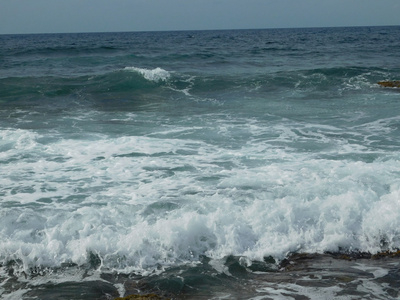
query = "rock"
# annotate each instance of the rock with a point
(393, 84)
(141, 297)
(386, 254)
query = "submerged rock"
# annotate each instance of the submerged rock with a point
(391, 83)
(141, 297)
(299, 258)
(386, 254)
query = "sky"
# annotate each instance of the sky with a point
(59, 16)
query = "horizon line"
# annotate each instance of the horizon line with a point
(192, 30)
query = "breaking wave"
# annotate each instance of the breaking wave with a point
(155, 75)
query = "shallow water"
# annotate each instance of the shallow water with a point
(303, 276)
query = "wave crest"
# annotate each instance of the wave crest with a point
(155, 75)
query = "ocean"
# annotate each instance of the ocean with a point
(235, 164)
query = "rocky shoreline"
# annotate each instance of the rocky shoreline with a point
(309, 272)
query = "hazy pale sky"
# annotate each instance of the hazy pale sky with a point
(48, 16)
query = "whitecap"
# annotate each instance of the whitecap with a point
(155, 75)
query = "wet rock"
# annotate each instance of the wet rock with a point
(142, 297)
(386, 254)
(392, 83)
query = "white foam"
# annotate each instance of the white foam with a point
(284, 291)
(376, 271)
(19, 294)
(155, 75)
(140, 202)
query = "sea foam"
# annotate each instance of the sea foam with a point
(155, 75)
(139, 202)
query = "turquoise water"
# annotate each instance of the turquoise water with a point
(179, 154)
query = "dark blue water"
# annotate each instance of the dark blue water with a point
(193, 164)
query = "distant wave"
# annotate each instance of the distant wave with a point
(117, 81)
(122, 83)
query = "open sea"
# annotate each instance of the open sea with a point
(237, 164)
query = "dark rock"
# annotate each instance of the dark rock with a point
(141, 297)
(392, 83)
